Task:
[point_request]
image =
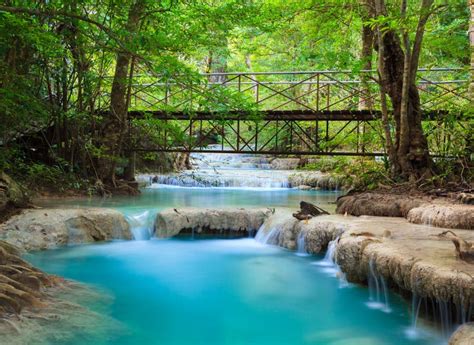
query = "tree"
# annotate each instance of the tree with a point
(115, 126)
(399, 60)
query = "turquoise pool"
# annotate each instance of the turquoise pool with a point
(221, 292)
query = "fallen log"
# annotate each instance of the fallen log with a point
(308, 211)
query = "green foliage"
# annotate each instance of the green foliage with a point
(56, 66)
(360, 173)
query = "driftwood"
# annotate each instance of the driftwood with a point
(308, 211)
(464, 249)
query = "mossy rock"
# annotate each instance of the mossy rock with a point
(11, 193)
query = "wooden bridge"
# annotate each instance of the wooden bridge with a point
(302, 113)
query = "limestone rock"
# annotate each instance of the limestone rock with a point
(409, 256)
(283, 231)
(48, 228)
(464, 335)
(374, 204)
(317, 179)
(413, 258)
(170, 222)
(454, 216)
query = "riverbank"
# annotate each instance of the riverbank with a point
(454, 211)
(36, 307)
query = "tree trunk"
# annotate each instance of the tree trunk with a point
(471, 41)
(398, 72)
(115, 126)
(383, 102)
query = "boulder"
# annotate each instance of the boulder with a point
(11, 194)
(37, 229)
(283, 230)
(375, 204)
(453, 216)
(230, 221)
(317, 179)
(464, 335)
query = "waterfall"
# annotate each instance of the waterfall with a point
(378, 291)
(445, 315)
(301, 244)
(142, 225)
(221, 170)
(413, 332)
(329, 264)
(329, 257)
(268, 237)
(238, 178)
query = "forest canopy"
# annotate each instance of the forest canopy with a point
(67, 68)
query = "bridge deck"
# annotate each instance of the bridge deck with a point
(274, 115)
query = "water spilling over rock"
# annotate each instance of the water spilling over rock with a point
(378, 291)
(230, 170)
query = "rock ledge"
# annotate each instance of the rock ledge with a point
(37, 229)
(230, 221)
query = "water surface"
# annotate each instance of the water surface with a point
(182, 292)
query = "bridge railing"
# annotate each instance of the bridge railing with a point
(312, 91)
(306, 112)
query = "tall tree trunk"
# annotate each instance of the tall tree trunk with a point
(471, 41)
(398, 73)
(383, 102)
(115, 126)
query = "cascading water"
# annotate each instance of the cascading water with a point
(413, 332)
(378, 291)
(329, 264)
(269, 232)
(265, 236)
(445, 315)
(141, 224)
(225, 170)
(301, 244)
(329, 257)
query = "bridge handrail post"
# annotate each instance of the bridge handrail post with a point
(317, 91)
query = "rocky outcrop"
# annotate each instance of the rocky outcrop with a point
(318, 180)
(11, 194)
(439, 212)
(232, 222)
(409, 256)
(375, 204)
(454, 216)
(283, 230)
(36, 229)
(464, 335)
